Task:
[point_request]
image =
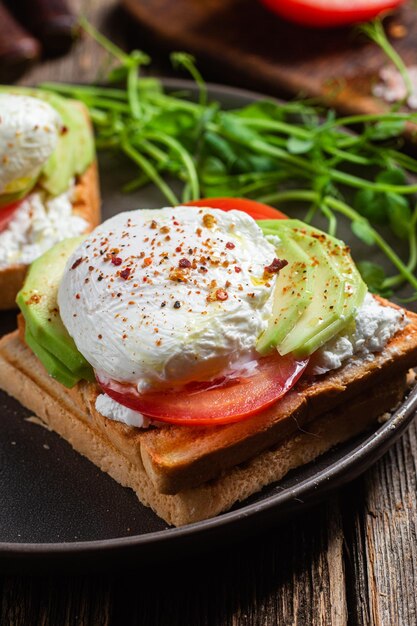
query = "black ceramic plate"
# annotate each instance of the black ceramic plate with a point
(58, 508)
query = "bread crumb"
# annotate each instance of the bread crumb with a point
(34, 419)
(382, 419)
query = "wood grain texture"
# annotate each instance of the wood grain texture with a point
(351, 561)
(382, 539)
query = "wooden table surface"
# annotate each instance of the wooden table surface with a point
(352, 560)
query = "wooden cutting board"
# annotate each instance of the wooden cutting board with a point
(242, 43)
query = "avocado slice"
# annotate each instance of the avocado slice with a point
(338, 287)
(326, 305)
(53, 366)
(292, 295)
(38, 301)
(75, 149)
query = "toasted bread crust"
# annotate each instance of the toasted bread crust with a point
(85, 205)
(112, 447)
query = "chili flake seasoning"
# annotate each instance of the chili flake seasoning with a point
(125, 273)
(275, 267)
(77, 263)
(221, 295)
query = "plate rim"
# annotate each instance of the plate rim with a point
(379, 441)
(376, 443)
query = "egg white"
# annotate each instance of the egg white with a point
(29, 131)
(163, 322)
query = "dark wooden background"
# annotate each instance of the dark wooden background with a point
(352, 560)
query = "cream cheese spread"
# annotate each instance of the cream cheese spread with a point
(375, 325)
(40, 222)
(154, 296)
(29, 131)
(119, 413)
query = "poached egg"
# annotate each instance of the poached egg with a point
(170, 295)
(29, 131)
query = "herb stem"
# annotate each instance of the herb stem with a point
(346, 210)
(149, 169)
(184, 156)
(105, 43)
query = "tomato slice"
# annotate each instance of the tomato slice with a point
(257, 210)
(7, 213)
(229, 401)
(326, 13)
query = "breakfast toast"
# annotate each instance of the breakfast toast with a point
(188, 474)
(86, 204)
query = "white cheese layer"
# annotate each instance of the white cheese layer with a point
(375, 325)
(38, 224)
(169, 294)
(29, 131)
(119, 413)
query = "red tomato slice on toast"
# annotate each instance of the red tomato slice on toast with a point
(222, 402)
(257, 210)
(7, 213)
(327, 13)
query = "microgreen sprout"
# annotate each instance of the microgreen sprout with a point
(278, 153)
(375, 31)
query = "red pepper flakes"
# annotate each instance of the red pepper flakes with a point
(276, 266)
(147, 261)
(116, 260)
(125, 273)
(230, 245)
(77, 263)
(238, 269)
(184, 263)
(221, 295)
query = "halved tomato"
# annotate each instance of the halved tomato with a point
(257, 210)
(327, 13)
(7, 213)
(223, 402)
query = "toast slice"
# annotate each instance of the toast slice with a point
(86, 205)
(188, 474)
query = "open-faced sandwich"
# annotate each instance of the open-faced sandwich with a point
(197, 354)
(48, 179)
